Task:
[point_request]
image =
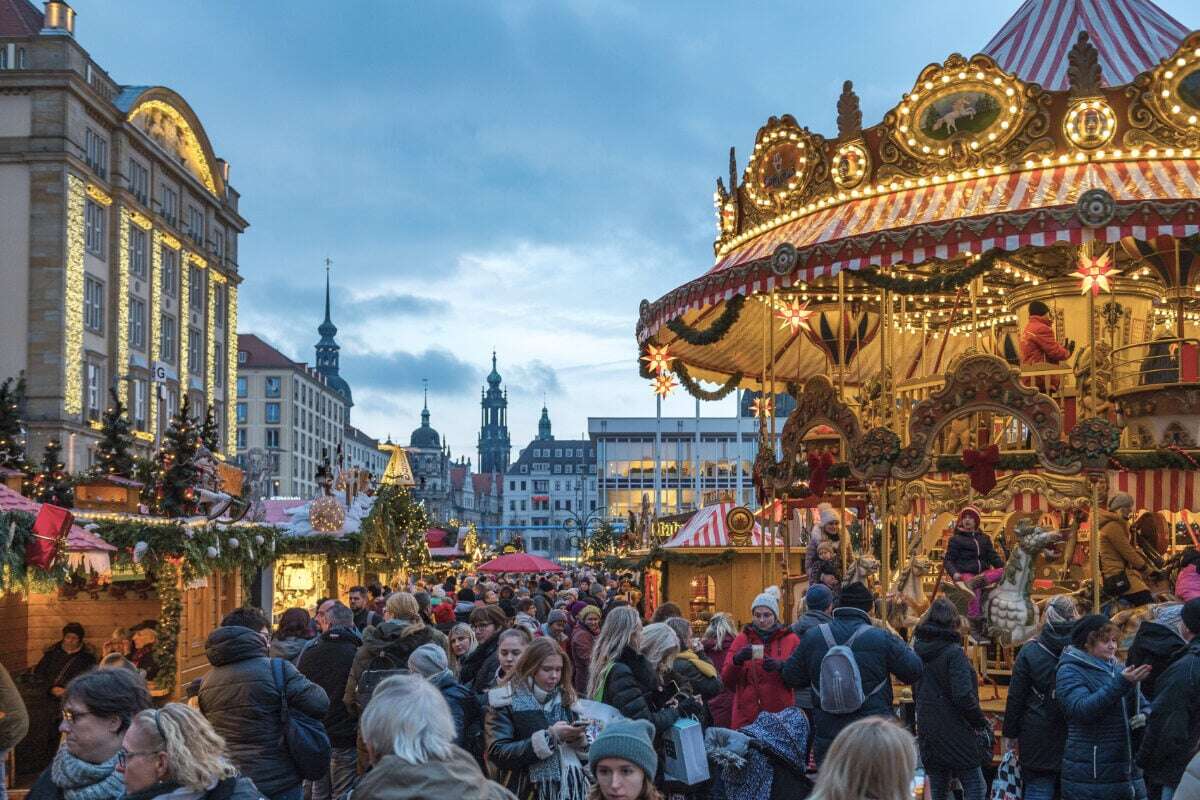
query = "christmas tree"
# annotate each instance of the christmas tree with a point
(210, 435)
(52, 484)
(112, 453)
(12, 440)
(174, 492)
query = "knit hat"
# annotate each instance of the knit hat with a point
(818, 597)
(1120, 500)
(557, 615)
(768, 599)
(827, 514)
(587, 611)
(73, 627)
(597, 589)
(466, 596)
(856, 595)
(1059, 609)
(969, 511)
(1038, 309)
(630, 740)
(1085, 626)
(1191, 615)
(428, 660)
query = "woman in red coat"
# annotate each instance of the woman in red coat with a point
(756, 657)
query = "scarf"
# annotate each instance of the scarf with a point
(561, 776)
(81, 780)
(706, 669)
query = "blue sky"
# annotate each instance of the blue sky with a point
(508, 175)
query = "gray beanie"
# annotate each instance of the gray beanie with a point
(1120, 500)
(629, 739)
(557, 615)
(428, 660)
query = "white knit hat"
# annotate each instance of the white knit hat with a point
(768, 599)
(827, 513)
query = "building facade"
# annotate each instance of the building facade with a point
(363, 451)
(550, 493)
(288, 418)
(118, 243)
(495, 446)
(430, 463)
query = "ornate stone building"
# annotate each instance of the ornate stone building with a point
(495, 447)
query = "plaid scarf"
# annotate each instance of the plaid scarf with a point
(561, 776)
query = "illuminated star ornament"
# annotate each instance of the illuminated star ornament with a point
(794, 315)
(761, 407)
(665, 384)
(658, 359)
(1094, 273)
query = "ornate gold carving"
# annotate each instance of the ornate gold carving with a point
(785, 161)
(1083, 70)
(1059, 491)
(1164, 108)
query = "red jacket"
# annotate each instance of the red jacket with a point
(754, 688)
(1038, 345)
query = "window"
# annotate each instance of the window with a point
(241, 438)
(137, 323)
(137, 251)
(241, 382)
(219, 245)
(273, 386)
(172, 402)
(139, 403)
(512, 486)
(195, 225)
(219, 360)
(169, 277)
(166, 340)
(93, 226)
(95, 152)
(241, 413)
(95, 380)
(139, 181)
(170, 204)
(195, 351)
(272, 413)
(196, 288)
(558, 452)
(93, 304)
(241, 356)
(523, 484)
(273, 437)
(219, 305)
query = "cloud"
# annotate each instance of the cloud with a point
(403, 372)
(533, 378)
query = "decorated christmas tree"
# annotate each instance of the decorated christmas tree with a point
(52, 484)
(210, 435)
(174, 492)
(12, 440)
(113, 456)
(396, 528)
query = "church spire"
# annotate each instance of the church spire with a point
(495, 447)
(327, 329)
(544, 433)
(327, 348)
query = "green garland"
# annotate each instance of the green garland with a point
(714, 332)
(170, 617)
(934, 283)
(695, 390)
(204, 549)
(1135, 460)
(14, 571)
(663, 556)
(1007, 461)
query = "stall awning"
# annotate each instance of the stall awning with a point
(707, 528)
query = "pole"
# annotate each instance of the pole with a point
(697, 501)
(771, 526)
(1094, 521)
(885, 546)
(737, 449)
(841, 332)
(657, 458)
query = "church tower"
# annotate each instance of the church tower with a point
(495, 448)
(327, 351)
(544, 434)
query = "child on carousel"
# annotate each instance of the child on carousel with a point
(972, 560)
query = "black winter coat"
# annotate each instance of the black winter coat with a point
(971, 553)
(510, 747)
(398, 639)
(464, 708)
(947, 699)
(878, 653)
(1173, 726)
(630, 688)
(1097, 760)
(235, 788)
(1157, 645)
(692, 680)
(240, 700)
(327, 663)
(475, 672)
(1032, 714)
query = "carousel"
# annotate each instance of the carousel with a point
(985, 299)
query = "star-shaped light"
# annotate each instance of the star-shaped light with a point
(658, 359)
(664, 384)
(1094, 273)
(761, 407)
(794, 315)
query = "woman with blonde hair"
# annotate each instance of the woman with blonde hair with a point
(872, 758)
(174, 752)
(387, 646)
(717, 640)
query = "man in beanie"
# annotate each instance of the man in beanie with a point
(1039, 345)
(878, 653)
(818, 604)
(1120, 562)
(758, 653)
(429, 661)
(621, 745)
(1173, 727)
(555, 627)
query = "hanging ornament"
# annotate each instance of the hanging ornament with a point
(761, 407)
(211, 552)
(233, 542)
(657, 358)
(258, 540)
(664, 384)
(1094, 273)
(795, 315)
(326, 515)
(139, 551)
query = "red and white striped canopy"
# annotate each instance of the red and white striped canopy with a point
(1132, 36)
(1159, 489)
(706, 528)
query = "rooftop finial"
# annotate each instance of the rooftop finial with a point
(328, 264)
(425, 384)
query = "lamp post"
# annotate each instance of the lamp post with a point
(577, 525)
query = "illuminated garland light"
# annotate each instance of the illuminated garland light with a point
(185, 305)
(155, 324)
(1090, 123)
(191, 148)
(123, 300)
(664, 384)
(231, 366)
(658, 359)
(73, 299)
(326, 515)
(1094, 273)
(99, 195)
(795, 315)
(210, 337)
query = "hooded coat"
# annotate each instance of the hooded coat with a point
(1116, 552)
(1097, 702)
(398, 638)
(327, 663)
(479, 667)
(464, 709)
(808, 620)
(1032, 714)
(1157, 645)
(1038, 344)
(457, 777)
(755, 689)
(629, 687)
(240, 700)
(582, 640)
(970, 553)
(1173, 727)
(947, 699)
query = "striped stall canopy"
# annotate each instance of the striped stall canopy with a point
(1159, 489)
(1132, 36)
(706, 528)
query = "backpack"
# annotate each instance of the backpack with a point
(382, 665)
(840, 690)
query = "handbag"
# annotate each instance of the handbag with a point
(304, 737)
(1008, 784)
(1115, 585)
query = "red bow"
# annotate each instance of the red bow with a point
(818, 472)
(981, 465)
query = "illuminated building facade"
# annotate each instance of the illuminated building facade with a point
(118, 243)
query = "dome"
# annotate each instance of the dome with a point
(425, 436)
(339, 385)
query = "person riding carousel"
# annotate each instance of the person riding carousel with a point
(826, 530)
(972, 560)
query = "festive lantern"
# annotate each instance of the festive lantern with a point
(1094, 273)
(664, 384)
(658, 359)
(326, 515)
(794, 315)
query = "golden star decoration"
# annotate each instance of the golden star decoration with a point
(657, 358)
(664, 384)
(761, 407)
(1094, 273)
(795, 315)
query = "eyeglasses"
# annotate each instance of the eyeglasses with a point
(71, 716)
(123, 756)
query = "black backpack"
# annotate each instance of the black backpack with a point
(382, 665)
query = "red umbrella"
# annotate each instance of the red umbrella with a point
(520, 562)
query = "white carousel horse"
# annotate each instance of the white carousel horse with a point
(904, 605)
(1009, 609)
(861, 570)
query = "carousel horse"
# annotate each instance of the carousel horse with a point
(1009, 609)
(904, 605)
(861, 570)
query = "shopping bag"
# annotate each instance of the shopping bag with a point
(1007, 785)
(686, 761)
(50, 528)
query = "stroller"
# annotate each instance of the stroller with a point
(765, 759)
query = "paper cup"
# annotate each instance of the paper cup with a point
(758, 652)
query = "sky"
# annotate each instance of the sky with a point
(508, 176)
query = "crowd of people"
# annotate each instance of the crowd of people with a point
(486, 688)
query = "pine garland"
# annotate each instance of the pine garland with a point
(714, 332)
(940, 282)
(664, 556)
(170, 618)
(700, 393)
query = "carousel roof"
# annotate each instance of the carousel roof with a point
(1132, 36)
(707, 528)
